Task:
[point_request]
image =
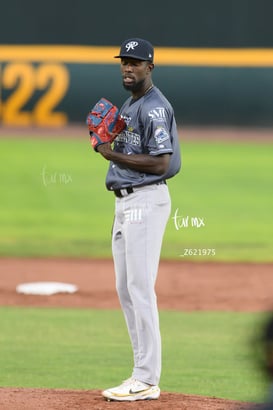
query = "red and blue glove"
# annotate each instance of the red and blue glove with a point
(104, 123)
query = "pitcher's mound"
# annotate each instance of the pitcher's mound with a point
(46, 399)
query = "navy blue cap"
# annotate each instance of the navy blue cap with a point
(137, 48)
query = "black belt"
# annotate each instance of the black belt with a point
(120, 193)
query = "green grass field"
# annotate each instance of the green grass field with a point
(54, 201)
(203, 353)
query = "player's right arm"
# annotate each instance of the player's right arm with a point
(151, 164)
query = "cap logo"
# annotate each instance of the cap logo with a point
(131, 45)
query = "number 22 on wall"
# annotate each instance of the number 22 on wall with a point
(50, 80)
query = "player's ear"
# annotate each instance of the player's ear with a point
(151, 66)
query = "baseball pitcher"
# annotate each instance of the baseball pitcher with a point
(141, 144)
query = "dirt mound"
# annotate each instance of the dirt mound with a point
(47, 399)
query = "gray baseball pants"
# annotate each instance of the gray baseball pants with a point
(139, 225)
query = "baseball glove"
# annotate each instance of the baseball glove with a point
(104, 123)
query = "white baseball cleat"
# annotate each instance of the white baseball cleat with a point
(132, 390)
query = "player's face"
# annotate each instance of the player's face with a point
(135, 74)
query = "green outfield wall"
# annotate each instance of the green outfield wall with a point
(177, 23)
(214, 58)
(54, 85)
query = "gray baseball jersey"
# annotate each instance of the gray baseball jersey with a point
(151, 129)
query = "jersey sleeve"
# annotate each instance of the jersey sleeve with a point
(157, 126)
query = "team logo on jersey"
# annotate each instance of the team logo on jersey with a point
(157, 113)
(126, 119)
(161, 135)
(131, 45)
